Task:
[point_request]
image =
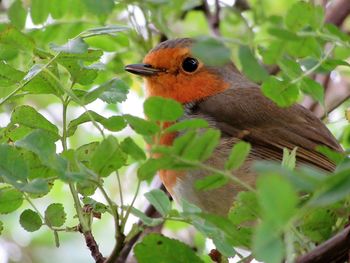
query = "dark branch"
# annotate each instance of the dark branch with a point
(92, 245)
(337, 11)
(334, 250)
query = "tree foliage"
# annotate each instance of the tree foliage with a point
(59, 59)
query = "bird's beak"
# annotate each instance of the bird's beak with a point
(142, 69)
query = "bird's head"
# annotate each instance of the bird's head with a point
(171, 71)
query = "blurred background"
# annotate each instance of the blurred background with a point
(151, 21)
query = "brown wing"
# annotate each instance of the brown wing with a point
(246, 113)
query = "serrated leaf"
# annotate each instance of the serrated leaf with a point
(11, 37)
(108, 157)
(132, 149)
(238, 155)
(28, 116)
(159, 200)
(202, 146)
(162, 109)
(244, 209)
(114, 123)
(250, 66)
(41, 81)
(218, 55)
(75, 46)
(30, 220)
(303, 14)
(42, 144)
(148, 221)
(155, 248)
(334, 188)
(284, 94)
(142, 126)
(187, 124)
(98, 7)
(12, 166)
(96, 206)
(55, 215)
(313, 88)
(39, 11)
(58, 8)
(17, 14)
(36, 186)
(268, 244)
(10, 200)
(112, 91)
(211, 182)
(282, 200)
(9, 75)
(110, 30)
(149, 168)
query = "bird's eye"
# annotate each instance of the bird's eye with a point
(190, 64)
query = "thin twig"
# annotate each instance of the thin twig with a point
(92, 245)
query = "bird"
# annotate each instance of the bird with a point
(236, 106)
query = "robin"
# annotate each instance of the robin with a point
(236, 106)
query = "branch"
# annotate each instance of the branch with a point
(335, 250)
(213, 19)
(151, 212)
(92, 245)
(337, 11)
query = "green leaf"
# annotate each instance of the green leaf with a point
(187, 124)
(36, 186)
(202, 146)
(12, 166)
(108, 157)
(155, 248)
(106, 30)
(39, 11)
(30, 220)
(284, 94)
(1, 227)
(219, 54)
(148, 221)
(303, 14)
(238, 155)
(75, 46)
(28, 116)
(149, 168)
(211, 182)
(289, 159)
(277, 206)
(142, 126)
(86, 188)
(162, 109)
(17, 14)
(112, 91)
(58, 8)
(318, 224)
(10, 200)
(245, 208)
(159, 200)
(290, 67)
(9, 75)
(42, 81)
(55, 215)
(131, 148)
(283, 34)
(98, 7)
(96, 206)
(42, 144)
(11, 37)
(251, 66)
(268, 244)
(114, 123)
(313, 88)
(333, 189)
